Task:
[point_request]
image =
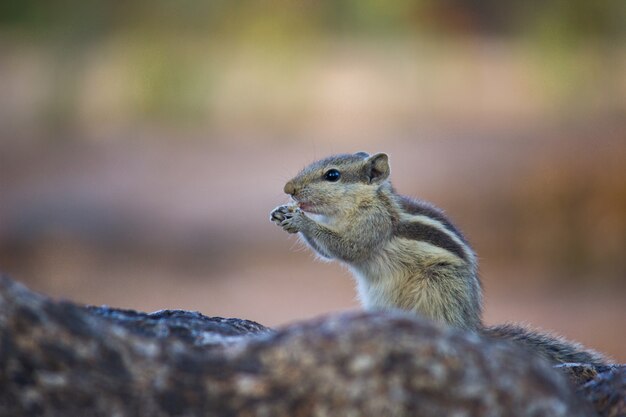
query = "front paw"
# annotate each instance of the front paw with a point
(278, 215)
(288, 217)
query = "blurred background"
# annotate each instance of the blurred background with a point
(144, 143)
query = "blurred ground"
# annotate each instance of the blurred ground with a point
(141, 151)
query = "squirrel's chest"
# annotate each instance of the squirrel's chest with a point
(399, 276)
(384, 280)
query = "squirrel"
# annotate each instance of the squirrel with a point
(404, 253)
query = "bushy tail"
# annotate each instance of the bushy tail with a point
(554, 348)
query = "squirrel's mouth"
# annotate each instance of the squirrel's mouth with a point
(308, 207)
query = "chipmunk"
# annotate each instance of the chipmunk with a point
(404, 253)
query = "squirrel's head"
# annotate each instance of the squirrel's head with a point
(339, 183)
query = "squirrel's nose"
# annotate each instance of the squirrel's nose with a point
(290, 188)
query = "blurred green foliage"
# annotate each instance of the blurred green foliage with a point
(165, 59)
(92, 18)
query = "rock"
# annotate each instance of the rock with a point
(603, 386)
(607, 392)
(581, 373)
(61, 359)
(185, 326)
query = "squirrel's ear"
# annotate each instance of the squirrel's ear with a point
(362, 154)
(377, 167)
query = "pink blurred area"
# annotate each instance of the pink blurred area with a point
(138, 167)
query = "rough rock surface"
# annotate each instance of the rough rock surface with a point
(185, 326)
(607, 392)
(61, 359)
(581, 373)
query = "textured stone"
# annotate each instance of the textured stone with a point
(61, 359)
(581, 373)
(185, 326)
(607, 392)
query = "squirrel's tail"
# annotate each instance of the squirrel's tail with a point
(554, 348)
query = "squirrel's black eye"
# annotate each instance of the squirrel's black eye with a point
(332, 175)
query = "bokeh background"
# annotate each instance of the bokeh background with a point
(144, 143)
